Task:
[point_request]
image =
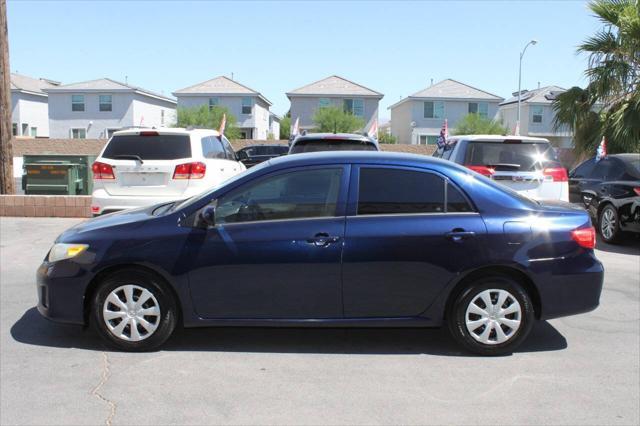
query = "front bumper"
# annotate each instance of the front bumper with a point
(61, 288)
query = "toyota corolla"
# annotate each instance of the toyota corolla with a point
(335, 239)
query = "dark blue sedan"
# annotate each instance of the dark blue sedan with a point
(330, 239)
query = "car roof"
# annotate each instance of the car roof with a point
(498, 138)
(335, 136)
(167, 131)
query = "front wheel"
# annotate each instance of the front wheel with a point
(133, 311)
(491, 316)
(608, 224)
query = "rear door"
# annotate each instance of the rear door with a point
(408, 233)
(153, 175)
(529, 168)
(220, 160)
(580, 179)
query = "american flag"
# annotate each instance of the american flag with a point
(601, 152)
(444, 134)
(223, 123)
(373, 130)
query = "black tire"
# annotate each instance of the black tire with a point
(614, 235)
(166, 320)
(458, 309)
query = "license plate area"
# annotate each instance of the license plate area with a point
(143, 179)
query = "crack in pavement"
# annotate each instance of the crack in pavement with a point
(106, 373)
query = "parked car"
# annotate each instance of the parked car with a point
(610, 190)
(142, 167)
(526, 164)
(314, 142)
(256, 154)
(330, 239)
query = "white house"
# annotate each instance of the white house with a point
(337, 92)
(29, 106)
(250, 108)
(97, 108)
(274, 125)
(536, 115)
(418, 119)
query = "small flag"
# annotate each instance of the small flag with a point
(141, 120)
(223, 123)
(373, 130)
(295, 128)
(516, 131)
(444, 134)
(601, 152)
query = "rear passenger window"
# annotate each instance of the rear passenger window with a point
(456, 202)
(231, 155)
(212, 148)
(396, 191)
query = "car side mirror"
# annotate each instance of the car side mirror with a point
(208, 216)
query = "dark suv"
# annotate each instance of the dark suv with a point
(314, 142)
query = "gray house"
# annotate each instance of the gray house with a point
(536, 115)
(418, 119)
(97, 108)
(333, 91)
(249, 106)
(30, 106)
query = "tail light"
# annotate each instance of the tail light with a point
(102, 171)
(483, 170)
(95, 209)
(637, 190)
(557, 174)
(190, 171)
(149, 133)
(585, 237)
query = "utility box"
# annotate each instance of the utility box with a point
(57, 174)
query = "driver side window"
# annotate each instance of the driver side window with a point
(293, 195)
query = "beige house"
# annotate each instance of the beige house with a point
(337, 92)
(536, 115)
(418, 119)
(250, 108)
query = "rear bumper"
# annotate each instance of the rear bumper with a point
(570, 286)
(102, 202)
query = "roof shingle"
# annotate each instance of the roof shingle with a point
(28, 84)
(105, 84)
(335, 86)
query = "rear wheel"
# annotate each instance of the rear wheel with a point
(608, 224)
(132, 310)
(491, 316)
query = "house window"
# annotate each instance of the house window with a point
(25, 129)
(34, 132)
(434, 109)
(105, 103)
(78, 134)
(213, 102)
(162, 117)
(427, 140)
(324, 102)
(77, 103)
(354, 106)
(14, 129)
(246, 105)
(480, 108)
(536, 113)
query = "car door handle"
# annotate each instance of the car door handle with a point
(460, 235)
(323, 239)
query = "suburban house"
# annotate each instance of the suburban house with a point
(337, 92)
(97, 108)
(274, 125)
(536, 115)
(418, 119)
(29, 106)
(250, 108)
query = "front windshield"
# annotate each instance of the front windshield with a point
(196, 198)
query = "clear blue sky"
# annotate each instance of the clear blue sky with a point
(273, 47)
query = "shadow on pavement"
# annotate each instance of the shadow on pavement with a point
(32, 329)
(628, 244)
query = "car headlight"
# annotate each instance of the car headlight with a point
(65, 251)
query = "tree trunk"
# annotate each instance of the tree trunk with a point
(6, 131)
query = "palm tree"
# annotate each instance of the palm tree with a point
(610, 104)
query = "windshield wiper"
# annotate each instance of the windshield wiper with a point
(129, 157)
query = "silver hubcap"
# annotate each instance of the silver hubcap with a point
(131, 313)
(608, 224)
(493, 316)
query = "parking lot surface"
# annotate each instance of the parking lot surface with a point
(577, 370)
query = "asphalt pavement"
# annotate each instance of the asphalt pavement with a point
(583, 369)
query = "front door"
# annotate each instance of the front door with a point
(275, 250)
(409, 232)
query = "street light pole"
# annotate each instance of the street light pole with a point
(532, 42)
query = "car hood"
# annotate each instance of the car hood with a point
(132, 217)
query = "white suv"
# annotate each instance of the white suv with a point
(142, 167)
(527, 164)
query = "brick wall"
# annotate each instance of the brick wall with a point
(45, 205)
